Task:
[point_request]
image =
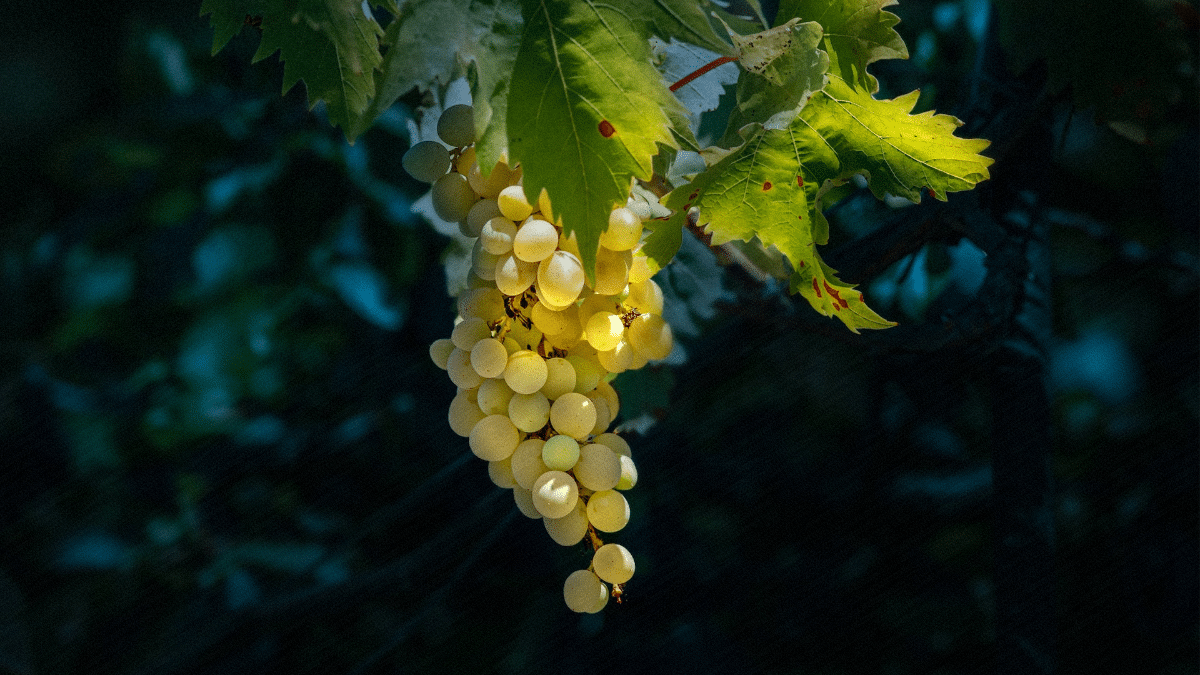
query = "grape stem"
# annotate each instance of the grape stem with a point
(720, 61)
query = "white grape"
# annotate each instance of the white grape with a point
(608, 511)
(598, 467)
(481, 212)
(426, 161)
(453, 197)
(560, 378)
(646, 297)
(618, 359)
(535, 240)
(483, 262)
(587, 373)
(526, 462)
(440, 350)
(458, 366)
(456, 126)
(464, 414)
(560, 278)
(514, 276)
(613, 441)
(603, 417)
(629, 473)
(494, 438)
(604, 330)
(571, 528)
(560, 453)
(610, 396)
(613, 563)
(529, 412)
(612, 271)
(501, 473)
(493, 396)
(552, 322)
(524, 500)
(543, 204)
(513, 203)
(584, 592)
(525, 372)
(650, 336)
(484, 303)
(468, 332)
(573, 414)
(500, 177)
(555, 494)
(623, 232)
(639, 269)
(489, 357)
(497, 234)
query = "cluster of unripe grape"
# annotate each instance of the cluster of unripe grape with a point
(534, 346)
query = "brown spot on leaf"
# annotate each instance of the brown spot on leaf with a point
(800, 181)
(816, 287)
(766, 185)
(606, 128)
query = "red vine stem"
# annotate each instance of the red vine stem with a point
(702, 70)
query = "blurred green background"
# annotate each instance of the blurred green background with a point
(224, 446)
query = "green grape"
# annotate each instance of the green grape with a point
(560, 378)
(426, 161)
(453, 197)
(483, 263)
(484, 303)
(584, 592)
(529, 412)
(552, 322)
(603, 417)
(613, 563)
(513, 275)
(560, 453)
(646, 297)
(440, 350)
(493, 397)
(489, 357)
(618, 359)
(464, 414)
(526, 372)
(573, 414)
(535, 241)
(555, 494)
(608, 511)
(650, 336)
(494, 438)
(598, 467)
(624, 230)
(456, 126)
(513, 203)
(610, 396)
(639, 269)
(571, 528)
(560, 278)
(527, 464)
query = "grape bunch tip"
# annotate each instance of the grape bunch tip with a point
(533, 349)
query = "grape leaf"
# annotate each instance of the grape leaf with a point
(900, 153)
(684, 20)
(795, 68)
(857, 33)
(770, 188)
(431, 42)
(333, 45)
(586, 112)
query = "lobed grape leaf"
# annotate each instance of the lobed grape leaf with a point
(770, 187)
(586, 112)
(900, 153)
(333, 45)
(431, 42)
(857, 33)
(791, 70)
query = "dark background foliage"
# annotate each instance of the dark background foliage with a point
(224, 446)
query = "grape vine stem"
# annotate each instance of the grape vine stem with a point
(720, 61)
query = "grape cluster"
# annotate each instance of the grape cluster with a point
(535, 345)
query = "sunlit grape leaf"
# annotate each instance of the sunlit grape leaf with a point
(900, 153)
(333, 45)
(794, 67)
(586, 112)
(685, 20)
(769, 188)
(857, 33)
